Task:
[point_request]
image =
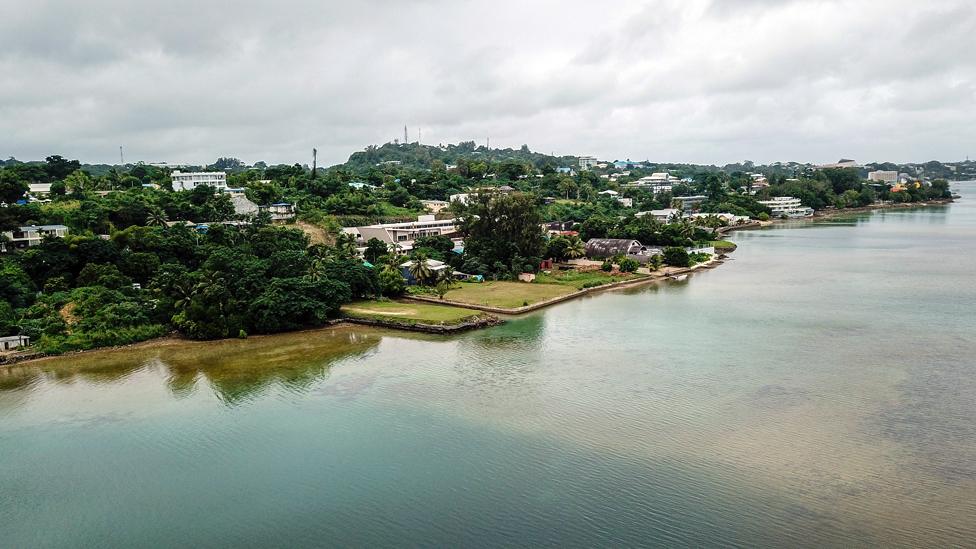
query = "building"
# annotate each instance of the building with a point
(31, 235)
(191, 180)
(243, 207)
(688, 203)
(434, 265)
(587, 162)
(609, 192)
(280, 211)
(464, 197)
(566, 170)
(666, 215)
(889, 177)
(842, 163)
(727, 217)
(404, 234)
(626, 202)
(10, 343)
(787, 206)
(435, 206)
(605, 248)
(656, 182)
(39, 190)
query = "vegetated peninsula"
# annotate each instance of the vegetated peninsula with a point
(97, 255)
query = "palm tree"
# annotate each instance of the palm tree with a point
(346, 246)
(576, 248)
(420, 270)
(156, 217)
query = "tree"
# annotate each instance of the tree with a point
(58, 167)
(420, 270)
(628, 265)
(576, 248)
(655, 262)
(391, 282)
(375, 249)
(499, 229)
(78, 182)
(676, 256)
(345, 246)
(12, 188)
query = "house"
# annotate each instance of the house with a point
(787, 206)
(191, 180)
(666, 215)
(243, 207)
(280, 211)
(566, 170)
(31, 235)
(727, 217)
(605, 248)
(842, 163)
(361, 185)
(609, 192)
(626, 202)
(587, 162)
(435, 206)
(402, 235)
(10, 343)
(435, 268)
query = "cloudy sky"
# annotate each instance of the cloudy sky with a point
(707, 81)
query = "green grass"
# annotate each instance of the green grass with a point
(722, 244)
(506, 295)
(580, 280)
(409, 312)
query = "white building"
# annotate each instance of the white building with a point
(191, 180)
(666, 215)
(787, 206)
(657, 182)
(881, 176)
(404, 234)
(464, 197)
(39, 189)
(10, 343)
(587, 162)
(31, 235)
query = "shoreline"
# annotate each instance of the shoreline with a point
(173, 338)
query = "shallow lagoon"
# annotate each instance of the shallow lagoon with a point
(819, 389)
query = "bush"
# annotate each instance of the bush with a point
(628, 265)
(676, 256)
(607, 266)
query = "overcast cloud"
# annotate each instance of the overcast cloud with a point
(683, 81)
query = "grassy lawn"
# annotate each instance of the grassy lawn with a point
(580, 280)
(722, 245)
(409, 312)
(508, 295)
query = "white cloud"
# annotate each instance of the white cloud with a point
(695, 80)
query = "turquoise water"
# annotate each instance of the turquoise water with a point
(817, 390)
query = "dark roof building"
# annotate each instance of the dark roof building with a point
(608, 247)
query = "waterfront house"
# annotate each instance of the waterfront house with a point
(10, 343)
(787, 206)
(602, 248)
(31, 235)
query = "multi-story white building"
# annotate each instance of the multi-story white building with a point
(403, 235)
(587, 162)
(31, 235)
(882, 176)
(191, 180)
(787, 206)
(659, 182)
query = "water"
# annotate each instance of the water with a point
(818, 390)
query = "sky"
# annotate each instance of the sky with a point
(703, 81)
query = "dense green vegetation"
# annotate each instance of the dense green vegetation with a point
(124, 274)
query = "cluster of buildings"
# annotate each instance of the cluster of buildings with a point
(604, 248)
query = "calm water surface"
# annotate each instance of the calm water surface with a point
(818, 390)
